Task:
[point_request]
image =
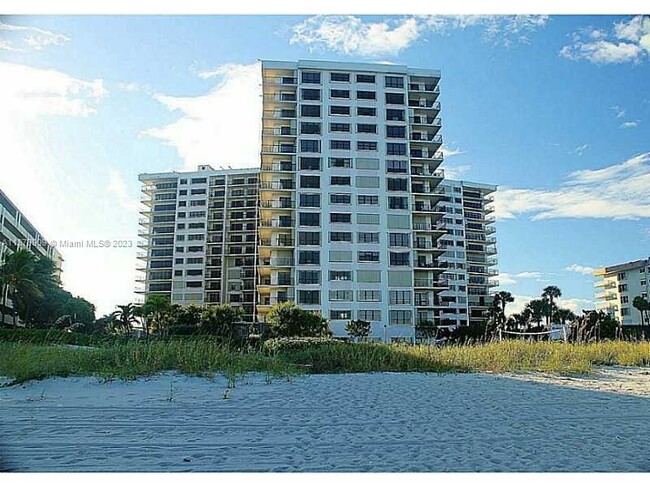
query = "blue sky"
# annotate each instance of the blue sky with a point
(555, 110)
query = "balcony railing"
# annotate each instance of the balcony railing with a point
(280, 97)
(424, 154)
(267, 242)
(276, 262)
(426, 189)
(424, 88)
(276, 185)
(426, 137)
(423, 120)
(279, 131)
(281, 80)
(427, 104)
(421, 171)
(426, 209)
(279, 114)
(429, 226)
(279, 167)
(277, 223)
(278, 204)
(279, 149)
(431, 283)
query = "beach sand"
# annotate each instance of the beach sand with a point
(384, 422)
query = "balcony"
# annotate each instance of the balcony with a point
(280, 98)
(426, 172)
(425, 104)
(425, 154)
(431, 283)
(280, 131)
(275, 262)
(273, 300)
(278, 204)
(278, 242)
(426, 189)
(279, 114)
(289, 223)
(424, 88)
(288, 185)
(280, 81)
(426, 137)
(428, 265)
(279, 149)
(275, 281)
(419, 208)
(428, 227)
(279, 167)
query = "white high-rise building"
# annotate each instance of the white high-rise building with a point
(618, 285)
(348, 214)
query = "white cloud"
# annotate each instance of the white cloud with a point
(620, 112)
(630, 124)
(31, 37)
(619, 191)
(32, 92)
(352, 35)
(221, 127)
(629, 41)
(506, 278)
(529, 275)
(580, 149)
(117, 188)
(581, 269)
(449, 152)
(456, 172)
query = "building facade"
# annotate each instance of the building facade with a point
(347, 208)
(468, 252)
(16, 232)
(618, 285)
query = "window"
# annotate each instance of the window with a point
(369, 295)
(194, 260)
(340, 275)
(309, 297)
(310, 128)
(399, 258)
(196, 237)
(340, 181)
(394, 115)
(341, 77)
(310, 145)
(341, 295)
(362, 145)
(394, 184)
(622, 288)
(368, 237)
(180, 226)
(183, 181)
(339, 127)
(309, 219)
(367, 256)
(367, 182)
(344, 162)
(194, 272)
(395, 132)
(178, 261)
(340, 218)
(394, 149)
(339, 110)
(340, 256)
(366, 95)
(198, 191)
(399, 240)
(310, 181)
(365, 78)
(394, 82)
(369, 314)
(368, 163)
(310, 200)
(310, 110)
(625, 311)
(340, 314)
(310, 94)
(309, 238)
(311, 78)
(197, 203)
(366, 199)
(400, 297)
(340, 198)
(396, 166)
(393, 98)
(309, 257)
(196, 225)
(199, 180)
(194, 284)
(625, 299)
(339, 93)
(308, 277)
(366, 111)
(369, 219)
(400, 317)
(621, 276)
(340, 144)
(310, 163)
(341, 237)
(367, 128)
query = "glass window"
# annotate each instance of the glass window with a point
(369, 314)
(310, 110)
(368, 256)
(308, 277)
(341, 295)
(400, 317)
(339, 127)
(309, 297)
(367, 199)
(398, 203)
(362, 145)
(391, 98)
(339, 110)
(395, 132)
(309, 145)
(309, 238)
(399, 258)
(396, 166)
(340, 314)
(310, 200)
(366, 111)
(310, 163)
(309, 219)
(394, 115)
(340, 275)
(340, 198)
(309, 257)
(397, 184)
(399, 240)
(368, 237)
(341, 77)
(310, 94)
(340, 181)
(310, 128)
(366, 95)
(311, 77)
(369, 295)
(340, 144)
(394, 82)
(367, 128)
(310, 181)
(395, 149)
(340, 237)
(365, 78)
(339, 93)
(344, 162)
(400, 297)
(340, 218)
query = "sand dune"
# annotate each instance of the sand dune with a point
(351, 422)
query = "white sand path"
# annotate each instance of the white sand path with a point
(384, 422)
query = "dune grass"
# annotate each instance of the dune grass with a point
(127, 360)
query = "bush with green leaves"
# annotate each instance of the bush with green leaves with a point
(426, 329)
(220, 320)
(289, 320)
(359, 329)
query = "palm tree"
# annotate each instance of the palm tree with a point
(550, 293)
(17, 276)
(643, 305)
(563, 315)
(538, 309)
(498, 310)
(124, 317)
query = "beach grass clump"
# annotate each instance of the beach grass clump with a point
(128, 360)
